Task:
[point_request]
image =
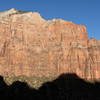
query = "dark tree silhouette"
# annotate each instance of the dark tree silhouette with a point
(65, 87)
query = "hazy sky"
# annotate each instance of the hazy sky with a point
(85, 12)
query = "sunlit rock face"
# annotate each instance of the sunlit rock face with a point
(33, 46)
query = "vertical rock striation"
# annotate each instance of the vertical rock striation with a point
(33, 46)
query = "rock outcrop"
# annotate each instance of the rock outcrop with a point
(33, 46)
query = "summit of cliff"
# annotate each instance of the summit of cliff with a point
(10, 12)
(14, 13)
(18, 14)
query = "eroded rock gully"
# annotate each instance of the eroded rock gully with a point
(33, 46)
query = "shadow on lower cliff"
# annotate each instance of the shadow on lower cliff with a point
(65, 87)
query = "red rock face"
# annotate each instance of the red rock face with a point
(33, 46)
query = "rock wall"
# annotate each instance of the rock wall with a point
(33, 46)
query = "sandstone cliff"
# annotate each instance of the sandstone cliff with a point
(33, 46)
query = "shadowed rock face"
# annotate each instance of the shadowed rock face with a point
(33, 46)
